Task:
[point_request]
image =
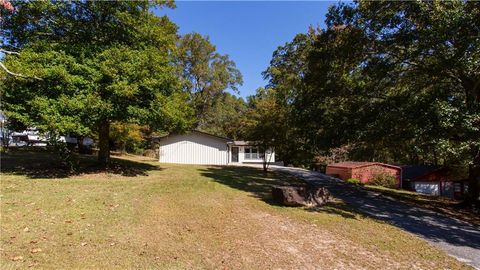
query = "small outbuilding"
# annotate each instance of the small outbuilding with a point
(435, 180)
(363, 171)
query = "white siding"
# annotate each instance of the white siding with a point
(241, 156)
(430, 188)
(193, 148)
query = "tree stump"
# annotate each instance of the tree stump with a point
(289, 195)
(311, 195)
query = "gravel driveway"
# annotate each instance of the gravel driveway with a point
(457, 238)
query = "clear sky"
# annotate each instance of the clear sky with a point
(248, 31)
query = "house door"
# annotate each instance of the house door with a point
(234, 154)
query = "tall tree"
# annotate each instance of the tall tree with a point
(285, 77)
(226, 116)
(99, 62)
(397, 81)
(423, 60)
(394, 79)
(207, 73)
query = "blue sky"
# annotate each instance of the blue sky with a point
(248, 31)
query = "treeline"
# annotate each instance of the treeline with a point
(396, 82)
(114, 71)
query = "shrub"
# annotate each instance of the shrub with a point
(355, 181)
(384, 179)
(150, 153)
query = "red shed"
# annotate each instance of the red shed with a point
(363, 171)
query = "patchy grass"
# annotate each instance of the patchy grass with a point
(452, 208)
(184, 217)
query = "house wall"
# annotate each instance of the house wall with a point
(193, 148)
(429, 188)
(366, 173)
(343, 173)
(241, 156)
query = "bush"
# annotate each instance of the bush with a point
(355, 181)
(384, 180)
(150, 153)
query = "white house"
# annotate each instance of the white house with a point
(202, 148)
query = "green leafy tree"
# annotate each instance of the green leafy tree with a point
(127, 137)
(421, 60)
(226, 116)
(264, 124)
(285, 77)
(399, 81)
(206, 73)
(99, 62)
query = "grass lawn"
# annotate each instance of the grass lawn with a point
(142, 214)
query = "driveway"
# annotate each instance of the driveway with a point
(457, 238)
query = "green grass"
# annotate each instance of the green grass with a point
(184, 217)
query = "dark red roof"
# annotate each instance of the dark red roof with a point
(358, 164)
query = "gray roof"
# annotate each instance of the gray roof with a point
(413, 171)
(241, 143)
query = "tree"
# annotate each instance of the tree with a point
(207, 74)
(399, 81)
(285, 77)
(5, 8)
(127, 136)
(226, 116)
(423, 58)
(99, 62)
(264, 125)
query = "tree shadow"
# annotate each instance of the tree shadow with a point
(337, 208)
(353, 202)
(423, 222)
(46, 164)
(259, 183)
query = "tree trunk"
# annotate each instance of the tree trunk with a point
(104, 142)
(474, 180)
(80, 146)
(472, 93)
(123, 147)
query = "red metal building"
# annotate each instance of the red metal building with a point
(363, 171)
(438, 182)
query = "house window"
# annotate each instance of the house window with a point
(252, 153)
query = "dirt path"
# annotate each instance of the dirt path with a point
(457, 238)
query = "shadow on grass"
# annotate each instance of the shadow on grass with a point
(259, 183)
(45, 164)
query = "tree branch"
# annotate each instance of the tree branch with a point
(8, 52)
(17, 74)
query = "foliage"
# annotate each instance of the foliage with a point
(383, 179)
(334, 155)
(127, 137)
(150, 153)
(263, 123)
(285, 77)
(398, 80)
(99, 62)
(225, 117)
(355, 182)
(206, 75)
